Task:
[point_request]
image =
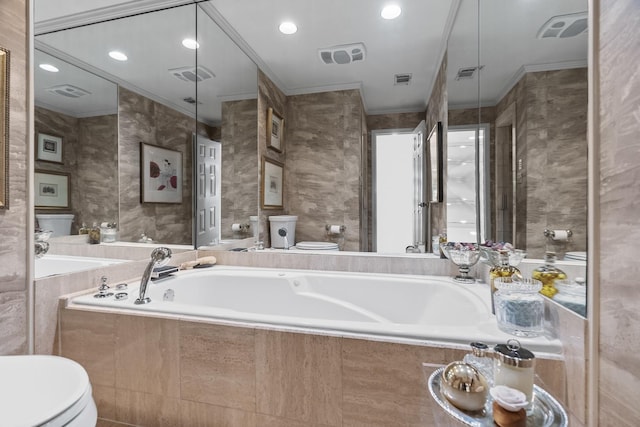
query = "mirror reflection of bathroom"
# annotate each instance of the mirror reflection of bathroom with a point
(330, 184)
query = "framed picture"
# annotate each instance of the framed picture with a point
(49, 148)
(271, 190)
(275, 131)
(436, 164)
(160, 174)
(51, 190)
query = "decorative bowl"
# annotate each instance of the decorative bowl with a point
(492, 256)
(464, 255)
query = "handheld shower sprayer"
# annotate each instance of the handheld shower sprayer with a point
(159, 257)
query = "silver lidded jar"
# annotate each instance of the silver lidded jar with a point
(513, 366)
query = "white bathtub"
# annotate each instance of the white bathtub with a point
(51, 264)
(425, 308)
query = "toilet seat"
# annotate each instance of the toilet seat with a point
(317, 246)
(45, 391)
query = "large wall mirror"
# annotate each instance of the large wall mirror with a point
(169, 82)
(511, 73)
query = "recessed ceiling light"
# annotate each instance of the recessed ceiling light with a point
(288, 28)
(190, 44)
(391, 11)
(118, 56)
(49, 67)
(463, 146)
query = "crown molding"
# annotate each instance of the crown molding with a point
(117, 80)
(132, 7)
(535, 68)
(72, 113)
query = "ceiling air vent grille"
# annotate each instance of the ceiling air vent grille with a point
(192, 74)
(564, 26)
(402, 79)
(467, 72)
(191, 100)
(343, 54)
(68, 91)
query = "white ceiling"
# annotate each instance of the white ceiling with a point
(413, 43)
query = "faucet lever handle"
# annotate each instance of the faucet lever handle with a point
(103, 284)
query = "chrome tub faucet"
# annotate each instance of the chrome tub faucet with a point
(159, 257)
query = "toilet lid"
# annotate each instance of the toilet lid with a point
(38, 389)
(317, 246)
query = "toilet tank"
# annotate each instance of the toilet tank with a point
(60, 224)
(278, 222)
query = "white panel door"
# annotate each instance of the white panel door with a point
(207, 173)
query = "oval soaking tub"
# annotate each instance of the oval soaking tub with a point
(425, 308)
(51, 264)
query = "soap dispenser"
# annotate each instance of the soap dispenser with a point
(548, 274)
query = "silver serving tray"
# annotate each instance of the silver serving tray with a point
(546, 411)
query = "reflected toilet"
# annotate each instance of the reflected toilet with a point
(60, 224)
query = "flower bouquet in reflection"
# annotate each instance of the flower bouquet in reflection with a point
(490, 252)
(464, 255)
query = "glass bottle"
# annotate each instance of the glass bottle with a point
(442, 241)
(548, 274)
(94, 234)
(84, 229)
(480, 359)
(503, 269)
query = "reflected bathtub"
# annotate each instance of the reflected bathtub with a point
(402, 308)
(51, 264)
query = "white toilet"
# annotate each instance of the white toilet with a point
(60, 224)
(45, 391)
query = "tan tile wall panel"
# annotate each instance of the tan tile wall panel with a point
(13, 222)
(323, 164)
(217, 365)
(384, 384)
(146, 353)
(298, 376)
(145, 409)
(89, 339)
(240, 178)
(620, 223)
(195, 414)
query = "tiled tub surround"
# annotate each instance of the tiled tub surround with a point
(201, 372)
(162, 370)
(48, 290)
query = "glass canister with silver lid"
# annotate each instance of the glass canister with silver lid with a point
(513, 367)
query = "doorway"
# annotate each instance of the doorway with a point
(398, 191)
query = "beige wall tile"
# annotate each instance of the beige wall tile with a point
(299, 377)
(89, 339)
(270, 421)
(217, 365)
(195, 414)
(384, 384)
(146, 355)
(109, 423)
(105, 398)
(144, 409)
